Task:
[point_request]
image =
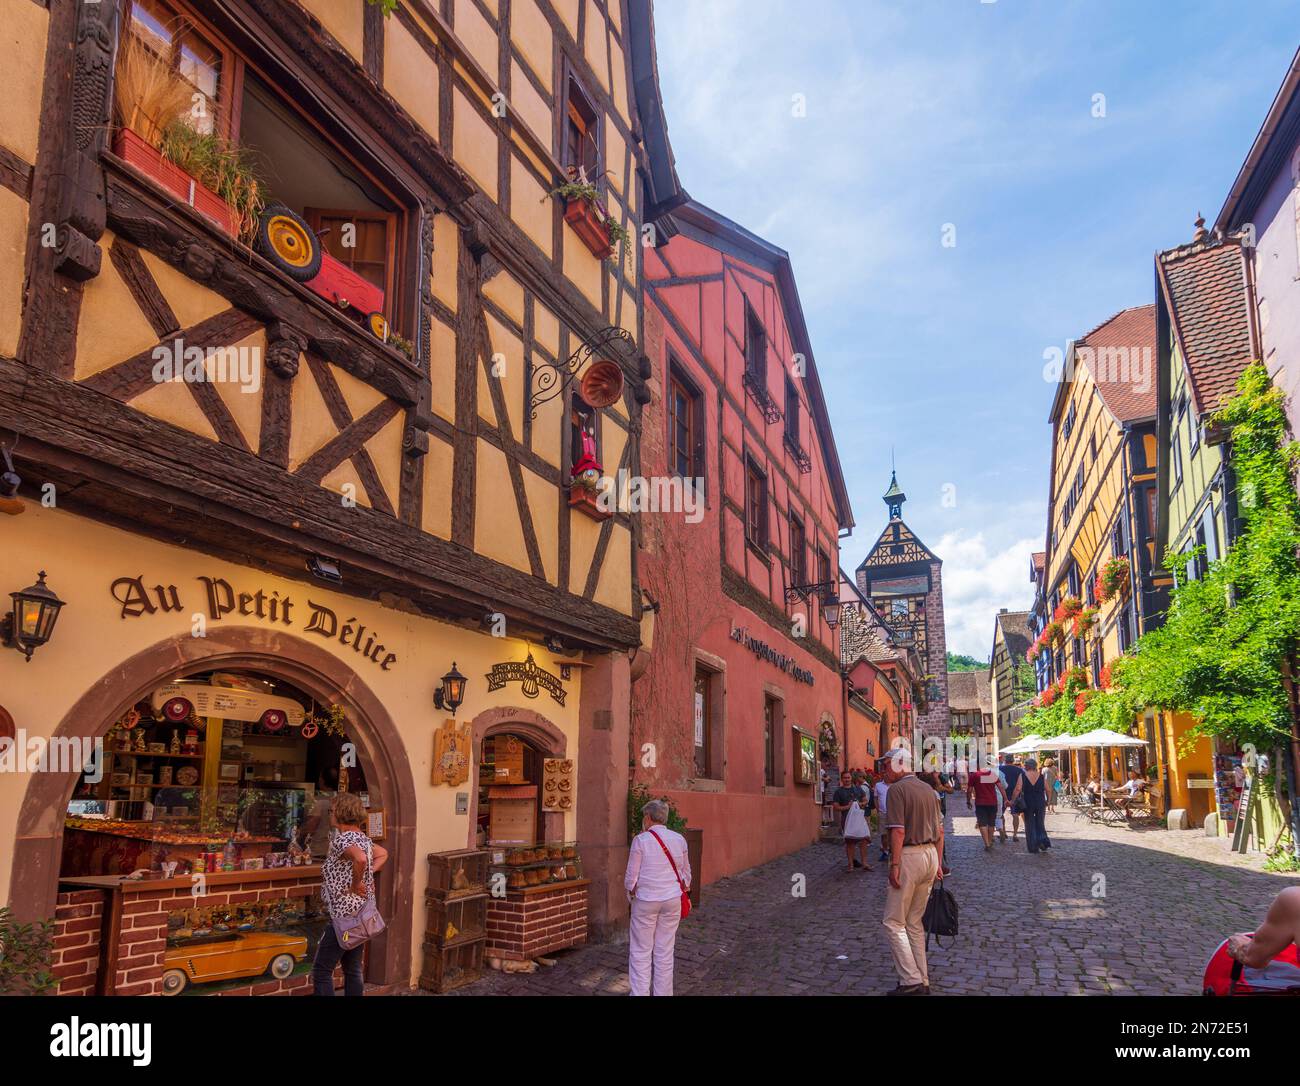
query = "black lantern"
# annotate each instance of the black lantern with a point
(452, 691)
(831, 609)
(29, 625)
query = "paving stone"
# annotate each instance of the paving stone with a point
(1029, 924)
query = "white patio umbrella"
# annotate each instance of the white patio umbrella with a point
(1023, 745)
(1100, 738)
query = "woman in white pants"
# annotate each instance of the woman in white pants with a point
(655, 890)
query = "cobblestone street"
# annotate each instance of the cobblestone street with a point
(1030, 924)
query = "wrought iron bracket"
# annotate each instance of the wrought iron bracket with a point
(550, 381)
(821, 589)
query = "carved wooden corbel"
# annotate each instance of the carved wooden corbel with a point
(82, 211)
(284, 345)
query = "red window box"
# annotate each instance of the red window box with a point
(585, 500)
(146, 158)
(589, 221)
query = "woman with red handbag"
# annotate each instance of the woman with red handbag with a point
(657, 881)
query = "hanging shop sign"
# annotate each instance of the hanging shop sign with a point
(764, 651)
(451, 746)
(805, 757)
(530, 677)
(220, 599)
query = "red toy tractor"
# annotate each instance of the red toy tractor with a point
(285, 239)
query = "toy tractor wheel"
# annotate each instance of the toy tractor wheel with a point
(281, 966)
(273, 720)
(174, 982)
(285, 239)
(378, 325)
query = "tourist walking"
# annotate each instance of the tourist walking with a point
(983, 792)
(882, 790)
(1031, 789)
(347, 886)
(1053, 782)
(916, 842)
(852, 802)
(658, 874)
(1010, 777)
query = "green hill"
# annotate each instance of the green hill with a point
(957, 662)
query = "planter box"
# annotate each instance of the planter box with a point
(695, 853)
(588, 222)
(585, 500)
(148, 160)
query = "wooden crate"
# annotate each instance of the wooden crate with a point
(468, 915)
(451, 967)
(443, 867)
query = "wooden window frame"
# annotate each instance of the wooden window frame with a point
(391, 219)
(401, 300)
(714, 744)
(755, 335)
(792, 419)
(757, 535)
(571, 81)
(797, 559)
(678, 379)
(773, 722)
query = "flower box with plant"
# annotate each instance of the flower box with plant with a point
(1054, 633)
(589, 218)
(1068, 608)
(1113, 579)
(1085, 620)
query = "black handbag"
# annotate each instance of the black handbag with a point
(940, 918)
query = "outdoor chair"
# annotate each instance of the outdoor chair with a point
(1111, 813)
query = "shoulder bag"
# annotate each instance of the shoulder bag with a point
(352, 931)
(686, 897)
(940, 919)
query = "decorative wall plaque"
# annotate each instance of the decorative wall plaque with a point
(451, 744)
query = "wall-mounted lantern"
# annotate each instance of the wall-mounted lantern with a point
(451, 693)
(29, 625)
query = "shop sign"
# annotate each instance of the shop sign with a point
(221, 599)
(805, 757)
(451, 753)
(530, 677)
(764, 651)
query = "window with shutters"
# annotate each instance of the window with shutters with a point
(685, 425)
(798, 552)
(755, 504)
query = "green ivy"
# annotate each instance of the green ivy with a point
(1220, 653)
(26, 951)
(637, 798)
(386, 6)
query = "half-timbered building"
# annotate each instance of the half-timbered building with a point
(317, 324)
(740, 690)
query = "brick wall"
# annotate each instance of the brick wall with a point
(78, 924)
(142, 942)
(522, 926)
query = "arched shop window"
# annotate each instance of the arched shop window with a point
(525, 798)
(219, 772)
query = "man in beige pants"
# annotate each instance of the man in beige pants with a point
(915, 829)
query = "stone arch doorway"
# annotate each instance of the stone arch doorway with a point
(39, 837)
(535, 729)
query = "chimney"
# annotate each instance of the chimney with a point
(1201, 233)
(1002, 611)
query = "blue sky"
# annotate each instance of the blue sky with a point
(921, 113)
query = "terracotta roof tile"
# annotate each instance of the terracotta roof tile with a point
(1206, 289)
(1120, 353)
(969, 691)
(1016, 633)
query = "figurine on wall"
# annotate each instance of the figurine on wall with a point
(587, 471)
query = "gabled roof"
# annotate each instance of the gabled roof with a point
(777, 261)
(1204, 288)
(969, 691)
(665, 191)
(1124, 391)
(906, 536)
(1269, 153)
(1039, 560)
(1014, 626)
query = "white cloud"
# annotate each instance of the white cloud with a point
(977, 583)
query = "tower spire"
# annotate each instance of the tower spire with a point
(894, 497)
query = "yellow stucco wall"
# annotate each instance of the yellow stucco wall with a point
(343, 19)
(22, 59)
(91, 640)
(13, 249)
